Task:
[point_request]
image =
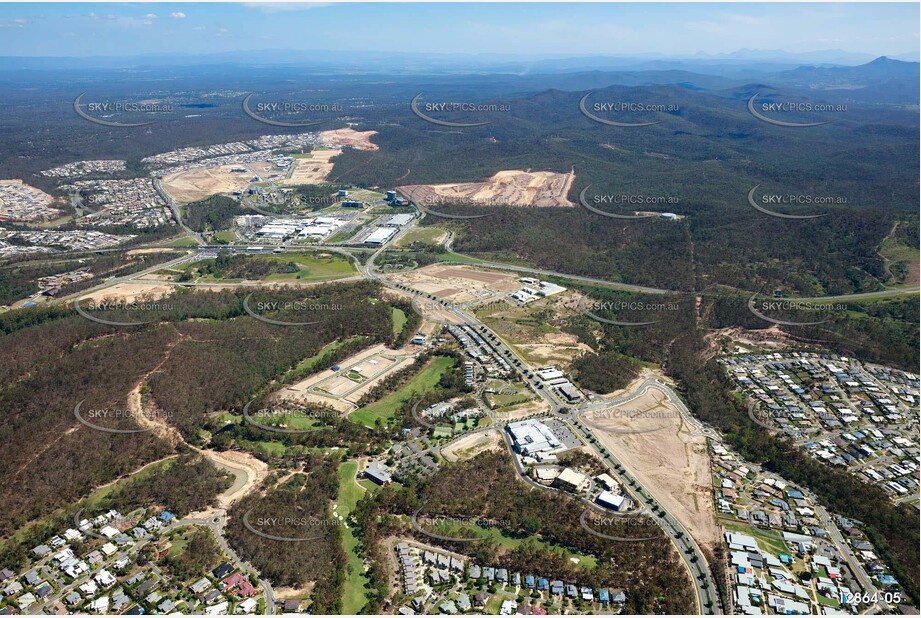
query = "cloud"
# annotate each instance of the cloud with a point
(281, 7)
(15, 23)
(177, 15)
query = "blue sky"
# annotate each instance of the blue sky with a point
(89, 29)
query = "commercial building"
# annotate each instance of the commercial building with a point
(399, 220)
(379, 236)
(531, 436)
(611, 501)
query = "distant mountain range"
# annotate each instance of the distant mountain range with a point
(394, 62)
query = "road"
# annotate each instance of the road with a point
(687, 548)
(692, 556)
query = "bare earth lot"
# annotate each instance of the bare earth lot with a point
(671, 463)
(508, 187)
(338, 391)
(359, 140)
(472, 445)
(197, 184)
(313, 169)
(456, 283)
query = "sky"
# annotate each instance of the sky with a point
(680, 29)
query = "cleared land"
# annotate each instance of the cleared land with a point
(472, 445)
(387, 407)
(424, 235)
(535, 338)
(460, 284)
(197, 184)
(341, 392)
(359, 140)
(671, 463)
(506, 188)
(129, 292)
(313, 168)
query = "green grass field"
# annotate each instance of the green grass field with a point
(353, 590)
(184, 242)
(769, 542)
(228, 236)
(312, 267)
(386, 408)
(399, 320)
(425, 235)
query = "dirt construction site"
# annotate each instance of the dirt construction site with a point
(653, 441)
(359, 140)
(506, 188)
(197, 184)
(357, 374)
(313, 168)
(457, 284)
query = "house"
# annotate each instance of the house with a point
(166, 606)
(463, 602)
(41, 551)
(222, 570)
(543, 584)
(167, 517)
(556, 587)
(25, 600)
(12, 589)
(43, 590)
(603, 596)
(291, 605)
(247, 607)
(571, 591)
(234, 580)
(480, 599)
(619, 597)
(72, 598)
(201, 585)
(100, 605)
(529, 581)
